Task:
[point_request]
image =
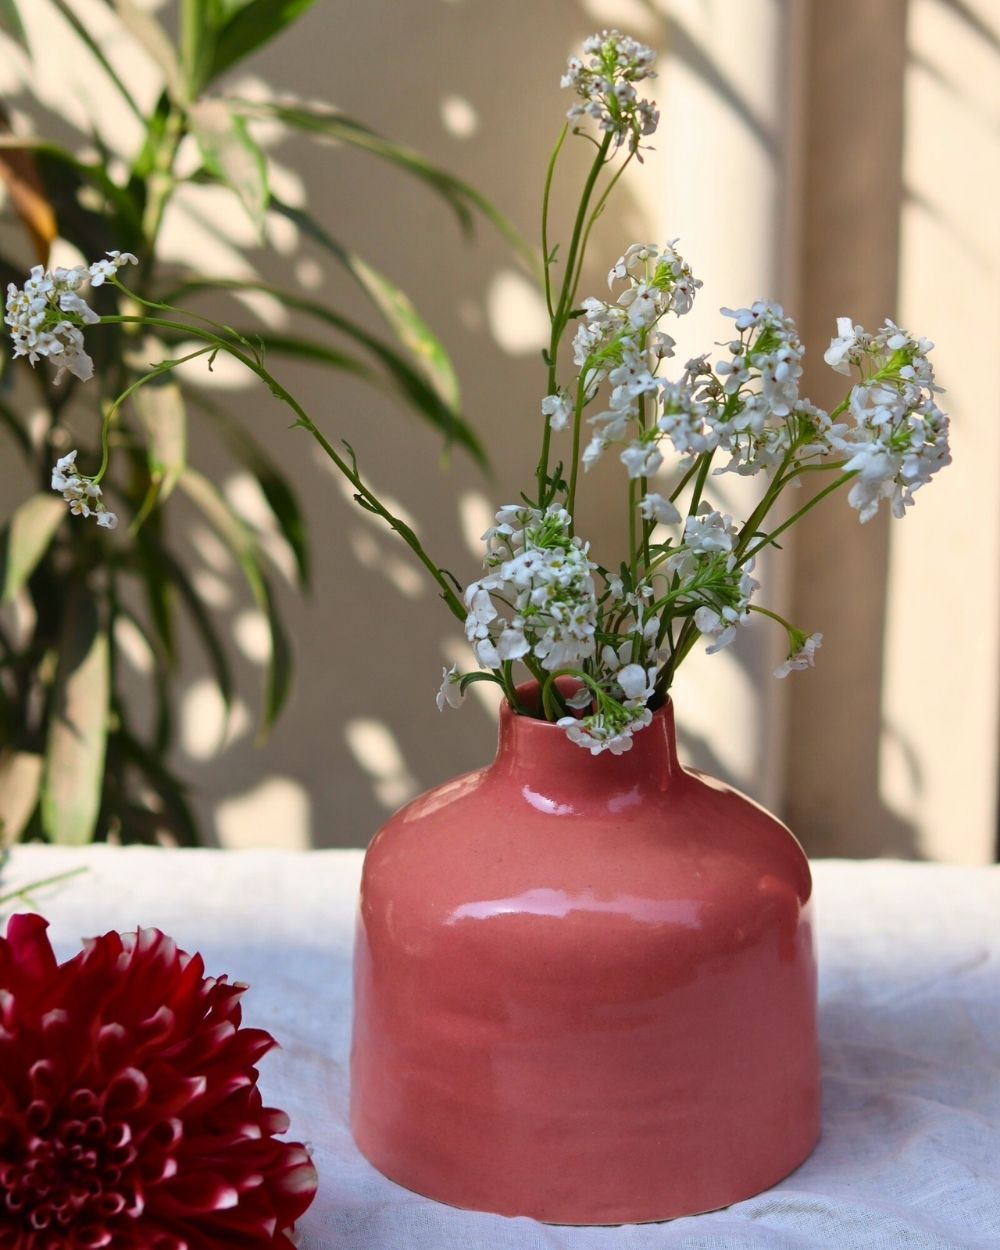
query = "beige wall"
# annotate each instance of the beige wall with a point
(814, 153)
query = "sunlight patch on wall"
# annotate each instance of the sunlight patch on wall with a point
(459, 117)
(476, 514)
(210, 548)
(252, 636)
(134, 647)
(712, 693)
(374, 746)
(632, 16)
(226, 374)
(203, 730)
(212, 589)
(516, 313)
(309, 273)
(372, 555)
(275, 813)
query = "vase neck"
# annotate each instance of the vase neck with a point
(541, 760)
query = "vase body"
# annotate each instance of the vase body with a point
(585, 988)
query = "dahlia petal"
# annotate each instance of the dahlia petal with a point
(295, 1188)
(127, 1092)
(249, 1046)
(197, 1194)
(29, 946)
(274, 1121)
(92, 1237)
(155, 1028)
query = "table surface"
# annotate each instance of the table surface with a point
(909, 1025)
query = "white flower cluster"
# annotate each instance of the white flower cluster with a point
(605, 79)
(709, 576)
(623, 680)
(618, 343)
(543, 577)
(81, 493)
(899, 438)
(47, 314)
(749, 407)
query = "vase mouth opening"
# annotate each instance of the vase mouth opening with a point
(528, 695)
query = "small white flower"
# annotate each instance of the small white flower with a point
(558, 409)
(107, 520)
(633, 681)
(655, 508)
(101, 270)
(450, 692)
(803, 658)
(843, 349)
(721, 626)
(513, 644)
(641, 459)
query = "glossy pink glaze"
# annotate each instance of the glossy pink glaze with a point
(585, 988)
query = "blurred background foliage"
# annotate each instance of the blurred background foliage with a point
(79, 755)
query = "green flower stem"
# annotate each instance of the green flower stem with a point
(699, 483)
(25, 892)
(633, 545)
(568, 288)
(678, 489)
(111, 412)
(647, 526)
(753, 607)
(827, 490)
(598, 209)
(547, 260)
(552, 702)
(574, 471)
(371, 501)
(770, 497)
(563, 308)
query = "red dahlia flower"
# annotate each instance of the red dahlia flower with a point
(129, 1110)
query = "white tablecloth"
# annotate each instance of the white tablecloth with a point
(910, 1028)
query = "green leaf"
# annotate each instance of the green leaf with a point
(20, 783)
(11, 24)
(230, 153)
(460, 197)
(25, 539)
(117, 223)
(241, 541)
(177, 814)
(273, 483)
(395, 307)
(403, 381)
(160, 675)
(409, 384)
(251, 26)
(160, 407)
(17, 431)
(147, 558)
(178, 579)
(78, 727)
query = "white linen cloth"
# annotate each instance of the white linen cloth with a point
(909, 1024)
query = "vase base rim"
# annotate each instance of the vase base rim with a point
(740, 1195)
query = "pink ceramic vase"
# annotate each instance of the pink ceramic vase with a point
(585, 988)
